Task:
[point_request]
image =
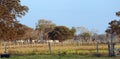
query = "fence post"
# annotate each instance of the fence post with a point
(97, 48)
(49, 45)
(6, 48)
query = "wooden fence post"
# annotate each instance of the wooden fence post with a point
(97, 48)
(49, 45)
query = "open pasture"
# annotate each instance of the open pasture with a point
(56, 49)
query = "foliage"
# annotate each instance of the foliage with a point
(118, 13)
(102, 38)
(61, 33)
(11, 33)
(82, 29)
(114, 27)
(11, 9)
(85, 36)
(44, 27)
(73, 31)
(27, 33)
(42, 24)
(10, 28)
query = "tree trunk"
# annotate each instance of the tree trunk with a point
(109, 49)
(112, 50)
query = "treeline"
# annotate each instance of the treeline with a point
(11, 29)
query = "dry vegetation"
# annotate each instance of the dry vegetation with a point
(56, 49)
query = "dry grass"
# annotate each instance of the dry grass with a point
(56, 49)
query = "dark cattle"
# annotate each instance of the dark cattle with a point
(4, 55)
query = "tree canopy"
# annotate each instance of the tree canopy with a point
(85, 36)
(10, 33)
(114, 27)
(44, 27)
(10, 28)
(61, 33)
(42, 24)
(118, 13)
(11, 9)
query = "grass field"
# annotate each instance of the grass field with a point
(58, 57)
(42, 49)
(66, 51)
(56, 49)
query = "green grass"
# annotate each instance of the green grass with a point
(58, 57)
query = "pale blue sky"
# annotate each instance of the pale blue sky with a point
(92, 14)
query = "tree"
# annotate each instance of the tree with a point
(61, 33)
(11, 9)
(82, 29)
(44, 27)
(102, 38)
(28, 31)
(73, 31)
(114, 27)
(10, 28)
(113, 30)
(85, 36)
(11, 33)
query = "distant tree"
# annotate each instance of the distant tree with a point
(85, 36)
(73, 31)
(44, 27)
(82, 29)
(93, 32)
(42, 24)
(61, 33)
(102, 38)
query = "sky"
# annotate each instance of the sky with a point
(92, 14)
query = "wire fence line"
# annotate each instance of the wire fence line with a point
(43, 48)
(14, 45)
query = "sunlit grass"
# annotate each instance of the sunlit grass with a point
(57, 49)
